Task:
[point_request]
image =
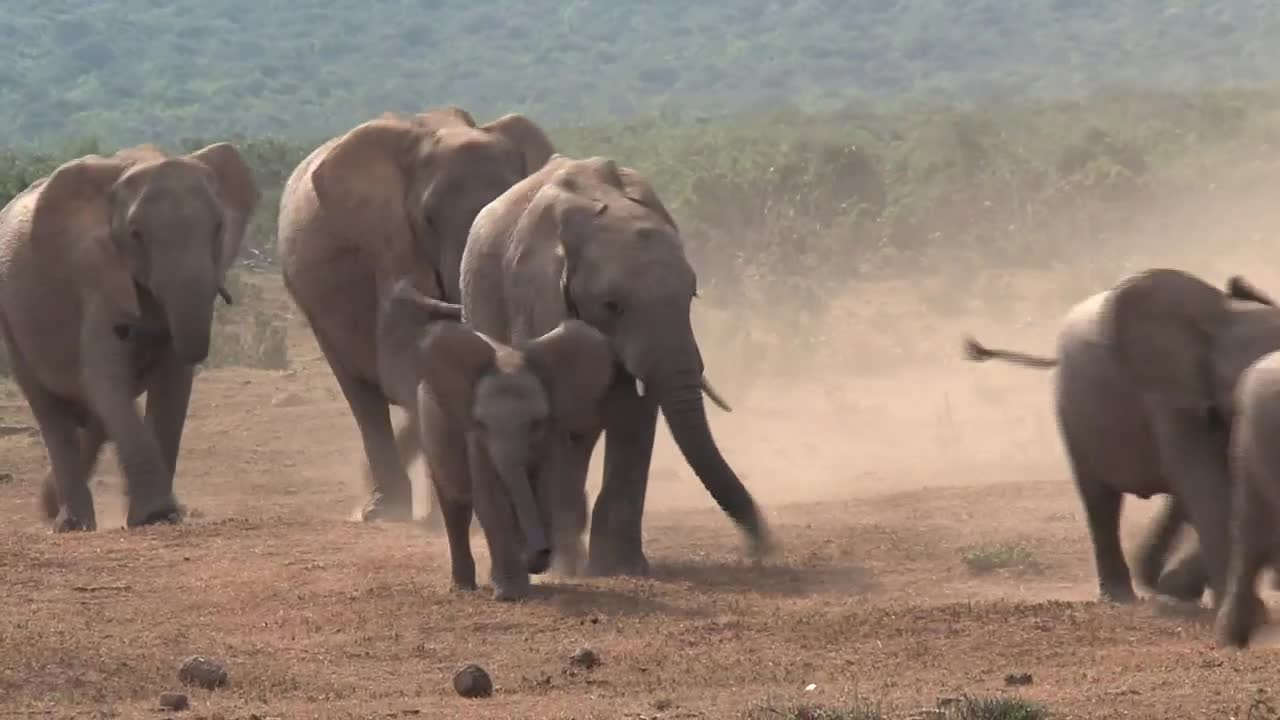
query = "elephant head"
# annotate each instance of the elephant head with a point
(415, 184)
(510, 399)
(1186, 342)
(150, 238)
(624, 272)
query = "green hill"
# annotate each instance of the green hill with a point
(127, 70)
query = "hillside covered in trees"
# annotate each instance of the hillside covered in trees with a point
(129, 70)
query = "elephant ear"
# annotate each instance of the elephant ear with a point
(239, 194)
(1160, 324)
(361, 186)
(72, 221)
(576, 364)
(452, 359)
(534, 145)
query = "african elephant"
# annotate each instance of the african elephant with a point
(1119, 431)
(590, 240)
(109, 268)
(1255, 473)
(508, 404)
(391, 198)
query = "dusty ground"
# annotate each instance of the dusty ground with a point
(878, 486)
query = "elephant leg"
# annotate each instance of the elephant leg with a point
(391, 494)
(91, 441)
(73, 509)
(1102, 506)
(493, 507)
(616, 546)
(1154, 551)
(562, 497)
(409, 448)
(451, 482)
(168, 398)
(1242, 609)
(1195, 460)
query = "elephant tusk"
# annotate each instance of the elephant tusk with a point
(714, 396)
(226, 296)
(639, 387)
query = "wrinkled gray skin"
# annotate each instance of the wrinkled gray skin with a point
(392, 198)
(589, 239)
(109, 269)
(508, 405)
(1133, 422)
(1255, 469)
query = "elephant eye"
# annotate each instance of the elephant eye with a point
(135, 235)
(613, 307)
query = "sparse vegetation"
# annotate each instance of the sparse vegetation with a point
(805, 711)
(989, 557)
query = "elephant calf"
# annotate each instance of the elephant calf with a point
(1146, 371)
(507, 403)
(1255, 469)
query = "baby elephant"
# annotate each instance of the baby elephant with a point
(506, 404)
(1255, 469)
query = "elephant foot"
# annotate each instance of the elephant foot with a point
(464, 576)
(605, 562)
(1118, 594)
(165, 511)
(1237, 620)
(68, 521)
(511, 589)
(1183, 583)
(566, 561)
(464, 585)
(385, 508)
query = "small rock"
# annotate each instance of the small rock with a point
(585, 658)
(288, 399)
(1017, 679)
(473, 682)
(201, 671)
(175, 701)
(6, 478)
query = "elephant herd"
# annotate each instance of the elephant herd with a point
(515, 302)
(1168, 385)
(518, 303)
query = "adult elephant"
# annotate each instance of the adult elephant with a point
(390, 199)
(589, 239)
(109, 268)
(1125, 433)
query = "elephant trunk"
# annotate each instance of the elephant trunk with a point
(680, 398)
(188, 308)
(537, 556)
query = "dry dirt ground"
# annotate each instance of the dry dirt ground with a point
(878, 487)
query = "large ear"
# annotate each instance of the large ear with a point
(452, 359)
(72, 220)
(1160, 325)
(238, 191)
(361, 185)
(522, 132)
(576, 363)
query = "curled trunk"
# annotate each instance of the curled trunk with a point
(537, 553)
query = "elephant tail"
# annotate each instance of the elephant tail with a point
(1240, 289)
(976, 352)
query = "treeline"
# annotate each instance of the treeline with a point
(782, 208)
(138, 69)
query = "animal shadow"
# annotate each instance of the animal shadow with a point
(768, 578)
(590, 601)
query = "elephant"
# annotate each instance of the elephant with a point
(109, 270)
(1255, 475)
(1120, 432)
(507, 403)
(589, 239)
(392, 198)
